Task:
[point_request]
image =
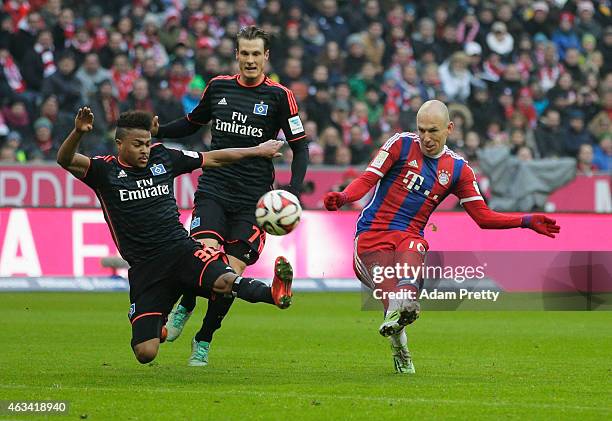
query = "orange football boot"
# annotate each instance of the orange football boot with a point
(281, 285)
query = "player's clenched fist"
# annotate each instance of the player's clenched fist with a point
(84, 119)
(541, 224)
(334, 200)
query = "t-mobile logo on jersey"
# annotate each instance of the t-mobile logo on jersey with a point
(238, 126)
(414, 182)
(145, 190)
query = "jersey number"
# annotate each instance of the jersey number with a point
(206, 254)
(256, 233)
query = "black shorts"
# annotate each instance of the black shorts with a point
(234, 227)
(156, 284)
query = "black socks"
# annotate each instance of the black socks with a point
(217, 309)
(252, 290)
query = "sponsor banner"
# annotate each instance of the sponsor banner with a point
(51, 186)
(76, 283)
(435, 295)
(117, 283)
(71, 243)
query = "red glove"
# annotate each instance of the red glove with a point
(541, 224)
(334, 200)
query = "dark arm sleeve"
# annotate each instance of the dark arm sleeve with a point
(184, 161)
(178, 128)
(290, 123)
(289, 120)
(298, 165)
(94, 176)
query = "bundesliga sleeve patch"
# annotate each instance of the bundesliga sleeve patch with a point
(295, 124)
(191, 154)
(380, 159)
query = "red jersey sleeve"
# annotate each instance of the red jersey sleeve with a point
(387, 155)
(470, 198)
(466, 188)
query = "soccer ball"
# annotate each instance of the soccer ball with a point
(278, 212)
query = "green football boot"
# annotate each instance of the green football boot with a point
(402, 360)
(176, 322)
(199, 353)
(396, 320)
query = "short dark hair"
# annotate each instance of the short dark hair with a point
(66, 55)
(253, 32)
(133, 120)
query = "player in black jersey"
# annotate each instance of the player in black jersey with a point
(135, 189)
(244, 110)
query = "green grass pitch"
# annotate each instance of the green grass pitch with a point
(320, 359)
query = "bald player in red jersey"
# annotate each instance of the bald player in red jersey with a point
(413, 174)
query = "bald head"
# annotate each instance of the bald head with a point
(434, 126)
(434, 109)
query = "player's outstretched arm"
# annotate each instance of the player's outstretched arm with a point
(387, 155)
(269, 149)
(173, 130)
(67, 157)
(488, 219)
(354, 191)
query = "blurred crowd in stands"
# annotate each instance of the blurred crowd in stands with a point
(533, 76)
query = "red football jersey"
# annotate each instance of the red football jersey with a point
(412, 185)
